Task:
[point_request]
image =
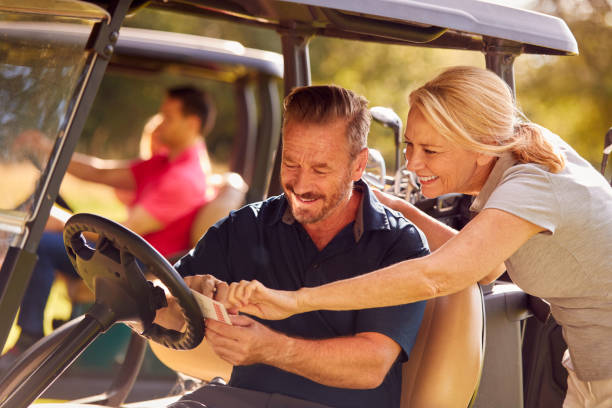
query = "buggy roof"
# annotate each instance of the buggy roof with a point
(461, 24)
(196, 50)
(152, 50)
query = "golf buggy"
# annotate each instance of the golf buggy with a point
(151, 61)
(523, 343)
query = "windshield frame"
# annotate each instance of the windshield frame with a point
(20, 258)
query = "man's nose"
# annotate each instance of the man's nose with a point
(301, 182)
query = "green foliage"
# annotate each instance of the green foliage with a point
(570, 95)
(126, 101)
(385, 74)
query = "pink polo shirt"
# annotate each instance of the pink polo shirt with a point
(172, 192)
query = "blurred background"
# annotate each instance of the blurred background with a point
(572, 96)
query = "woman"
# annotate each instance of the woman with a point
(542, 209)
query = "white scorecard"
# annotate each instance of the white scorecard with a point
(211, 309)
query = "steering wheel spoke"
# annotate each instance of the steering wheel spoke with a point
(114, 271)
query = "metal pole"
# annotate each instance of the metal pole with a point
(499, 57)
(16, 273)
(297, 73)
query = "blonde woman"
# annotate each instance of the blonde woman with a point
(542, 210)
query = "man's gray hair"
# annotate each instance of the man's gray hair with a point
(326, 103)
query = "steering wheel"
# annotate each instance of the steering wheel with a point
(112, 269)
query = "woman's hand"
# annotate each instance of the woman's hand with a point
(255, 299)
(391, 201)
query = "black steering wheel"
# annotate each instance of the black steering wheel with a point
(113, 270)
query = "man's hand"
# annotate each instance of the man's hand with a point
(209, 286)
(361, 361)
(255, 299)
(246, 342)
(171, 317)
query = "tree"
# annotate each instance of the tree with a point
(570, 95)
(573, 95)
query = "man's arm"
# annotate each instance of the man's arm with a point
(200, 362)
(141, 221)
(360, 361)
(114, 173)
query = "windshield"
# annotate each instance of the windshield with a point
(40, 80)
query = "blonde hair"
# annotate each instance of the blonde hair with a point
(475, 109)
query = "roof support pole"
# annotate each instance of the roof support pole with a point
(297, 73)
(266, 146)
(502, 368)
(297, 59)
(21, 258)
(242, 160)
(499, 56)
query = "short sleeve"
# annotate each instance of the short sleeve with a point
(400, 323)
(208, 256)
(526, 191)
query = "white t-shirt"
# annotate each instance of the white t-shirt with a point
(569, 265)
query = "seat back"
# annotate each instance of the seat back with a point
(231, 195)
(446, 361)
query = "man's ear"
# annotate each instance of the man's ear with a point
(359, 164)
(195, 123)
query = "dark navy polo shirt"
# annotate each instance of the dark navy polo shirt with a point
(263, 241)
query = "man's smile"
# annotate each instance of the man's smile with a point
(305, 199)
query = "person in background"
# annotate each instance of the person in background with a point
(166, 192)
(542, 209)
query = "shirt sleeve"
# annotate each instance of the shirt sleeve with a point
(209, 255)
(526, 191)
(400, 323)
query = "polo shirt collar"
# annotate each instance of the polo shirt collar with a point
(370, 215)
(504, 162)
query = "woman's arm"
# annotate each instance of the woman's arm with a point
(437, 232)
(483, 244)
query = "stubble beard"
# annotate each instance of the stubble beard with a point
(340, 195)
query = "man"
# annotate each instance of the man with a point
(166, 192)
(326, 226)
